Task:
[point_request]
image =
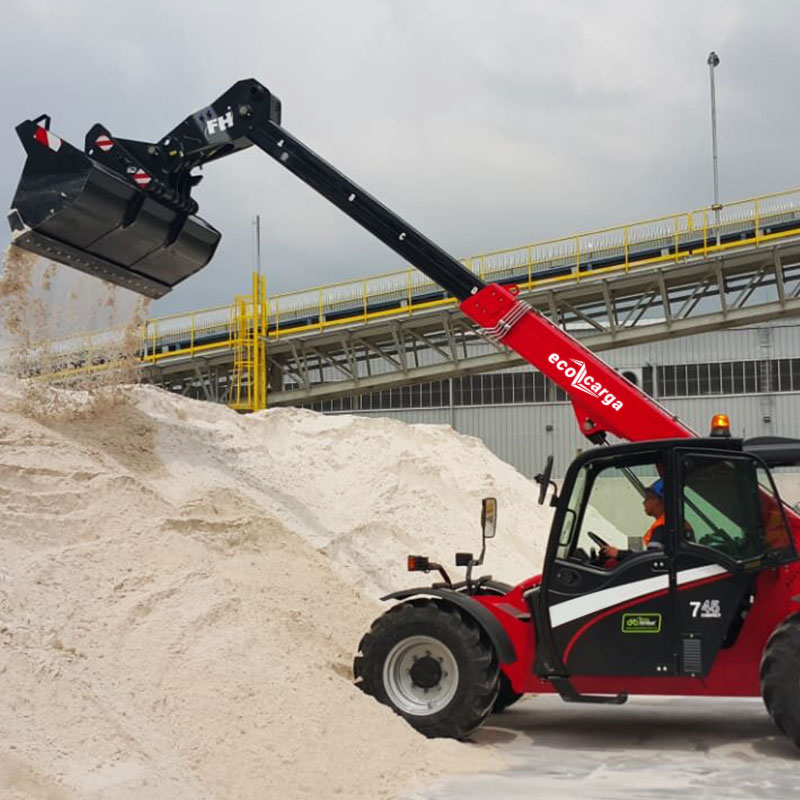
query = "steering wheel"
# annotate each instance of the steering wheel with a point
(593, 557)
(596, 539)
(719, 538)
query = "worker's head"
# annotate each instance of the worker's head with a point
(654, 499)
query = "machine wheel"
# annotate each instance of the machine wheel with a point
(780, 677)
(432, 665)
(506, 696)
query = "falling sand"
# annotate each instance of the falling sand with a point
(65, 329)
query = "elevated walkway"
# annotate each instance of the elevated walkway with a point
(670, 276)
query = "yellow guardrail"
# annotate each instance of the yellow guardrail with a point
(666, 239)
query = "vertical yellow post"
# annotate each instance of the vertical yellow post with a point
(530, 265)
(677, 237)
(262, 290)
(755, 228)
(627, 249)
(255, 377)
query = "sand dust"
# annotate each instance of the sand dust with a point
(62, 328)
(182, 590)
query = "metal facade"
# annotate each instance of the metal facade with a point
(525, 434)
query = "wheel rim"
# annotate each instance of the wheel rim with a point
(420, 675)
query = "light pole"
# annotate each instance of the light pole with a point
(257, 237)
(713, 61)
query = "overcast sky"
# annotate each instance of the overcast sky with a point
(485, 124)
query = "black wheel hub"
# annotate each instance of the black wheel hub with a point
(426, 672)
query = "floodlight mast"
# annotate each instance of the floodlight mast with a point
(713, 63)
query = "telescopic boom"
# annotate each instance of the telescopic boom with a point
(122, 210)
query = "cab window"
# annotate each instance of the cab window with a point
(732, 506)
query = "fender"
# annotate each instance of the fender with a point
(500, 587)
(494, 630)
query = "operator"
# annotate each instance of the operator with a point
(656, 533)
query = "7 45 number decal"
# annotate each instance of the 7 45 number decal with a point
(705, 609)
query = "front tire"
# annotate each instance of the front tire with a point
(780, 677)
(432, 665)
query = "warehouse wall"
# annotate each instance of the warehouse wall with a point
(525, 434)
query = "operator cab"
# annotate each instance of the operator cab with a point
(663, 610)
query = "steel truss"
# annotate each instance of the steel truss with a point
(647, 304)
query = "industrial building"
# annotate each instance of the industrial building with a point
(751, 373)
(699, 309)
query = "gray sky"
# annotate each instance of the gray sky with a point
(486, 125)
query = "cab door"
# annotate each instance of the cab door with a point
(728, 504)
(610, 617)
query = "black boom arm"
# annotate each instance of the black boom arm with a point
(122, 209)
(248, 113)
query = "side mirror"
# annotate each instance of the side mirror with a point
(543, 479)
(489, 517)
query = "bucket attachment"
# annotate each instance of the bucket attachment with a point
(72, 209)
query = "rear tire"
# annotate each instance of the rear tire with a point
(780, 677)
(432, 665)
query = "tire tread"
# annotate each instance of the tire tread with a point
(780, 677)
(478, 655)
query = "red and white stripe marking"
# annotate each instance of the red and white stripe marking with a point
(141, 177)
(104, 143)
(43, 136)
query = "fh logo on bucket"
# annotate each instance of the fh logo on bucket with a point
(583, 381)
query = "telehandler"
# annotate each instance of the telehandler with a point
(713, 611)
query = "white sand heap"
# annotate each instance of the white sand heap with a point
(182, 591)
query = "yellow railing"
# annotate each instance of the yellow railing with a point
(246, 325)
(666, 239)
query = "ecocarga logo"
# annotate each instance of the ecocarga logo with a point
(583, 381)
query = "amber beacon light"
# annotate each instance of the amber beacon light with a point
(720, 425)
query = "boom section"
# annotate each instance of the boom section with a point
(603, 400)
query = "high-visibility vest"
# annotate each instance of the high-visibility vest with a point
(651, 530)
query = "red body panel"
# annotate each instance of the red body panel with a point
(735, 671)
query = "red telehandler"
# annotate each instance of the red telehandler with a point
(713, 611)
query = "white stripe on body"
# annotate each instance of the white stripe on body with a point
(570, 610)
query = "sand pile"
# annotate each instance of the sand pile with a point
(179, 593)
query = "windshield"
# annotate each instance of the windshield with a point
(614, 511)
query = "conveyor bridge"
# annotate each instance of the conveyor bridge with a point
(675, 275)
